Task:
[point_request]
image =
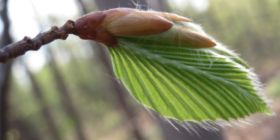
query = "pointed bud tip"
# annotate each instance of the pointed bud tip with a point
(210, 44)
(186, 20)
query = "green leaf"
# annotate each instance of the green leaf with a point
(187, 83)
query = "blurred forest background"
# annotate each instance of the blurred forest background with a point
(67, 89)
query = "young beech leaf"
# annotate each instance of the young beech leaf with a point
(171, 66)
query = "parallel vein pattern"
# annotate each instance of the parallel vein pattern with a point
(186, 83)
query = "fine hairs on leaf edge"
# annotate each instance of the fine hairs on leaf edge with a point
(251, 74)
(194, 127)
(219, 123)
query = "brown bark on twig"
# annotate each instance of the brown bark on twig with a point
(19, 48)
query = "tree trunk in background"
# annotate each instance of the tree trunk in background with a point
(46, 113)
(66, 99)
(4, 70)
(25, 130)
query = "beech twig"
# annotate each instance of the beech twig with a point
(19, 48)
